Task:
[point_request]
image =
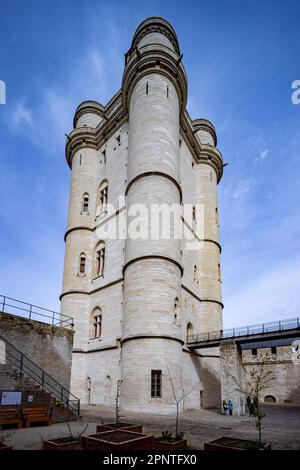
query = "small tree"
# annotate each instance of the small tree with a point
(258, 379)
(178, 400)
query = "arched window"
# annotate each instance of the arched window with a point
(82, 260)
(189, 329)
(102, 198)
(85, 203)
(96, 323)
(99, 259)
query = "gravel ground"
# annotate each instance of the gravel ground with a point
(281, 426)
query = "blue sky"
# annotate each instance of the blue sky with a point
(241, 58)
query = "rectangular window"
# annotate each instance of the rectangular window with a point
(273, 350)
(156, 383)
(254, 352)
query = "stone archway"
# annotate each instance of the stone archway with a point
(107, 390)
(269, 399)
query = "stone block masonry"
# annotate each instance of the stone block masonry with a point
(133, 299)
(49, 347)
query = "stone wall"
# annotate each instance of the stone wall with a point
(232, 376)
(236, 365)
(47, 346)
(285, 368)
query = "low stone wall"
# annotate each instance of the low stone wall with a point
(47, 346)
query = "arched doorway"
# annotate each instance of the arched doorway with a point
(269, 399)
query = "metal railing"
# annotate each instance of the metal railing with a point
(33, 312)
(269, 327)
(26, 366)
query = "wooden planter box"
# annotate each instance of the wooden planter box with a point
(117, 440)
(58, 444)
(123, 426)
(232, 443)
(160, 444)
(4, 447)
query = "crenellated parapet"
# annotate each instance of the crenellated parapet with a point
(206, 131)
(211, 156)
(88, 113)
(149, 27)
(111, 117)
(154, 49)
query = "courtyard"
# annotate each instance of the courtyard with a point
(281, 427)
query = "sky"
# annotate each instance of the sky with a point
(241, 58)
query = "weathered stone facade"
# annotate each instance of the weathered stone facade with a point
(49, 347)
(285, 367)
(144, 147)
(236, 365)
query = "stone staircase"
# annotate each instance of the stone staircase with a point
(19, 372)
(12, 379)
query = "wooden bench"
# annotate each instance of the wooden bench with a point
(36, 415)
(10, 416)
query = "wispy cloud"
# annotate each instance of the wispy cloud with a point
(21, 116)
(270, 295)
(263, 155)
(50, 114)
(241, 188)
(259, 195)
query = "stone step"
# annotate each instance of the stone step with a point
(12, 379)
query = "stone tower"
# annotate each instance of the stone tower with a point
(135, 299)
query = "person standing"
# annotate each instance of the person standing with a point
(230, 407)
(225, 407)
(249, 405)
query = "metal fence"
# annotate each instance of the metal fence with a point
(26, 366)
(270, 327)
(33, 312)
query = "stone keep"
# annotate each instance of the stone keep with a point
(145, 149)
